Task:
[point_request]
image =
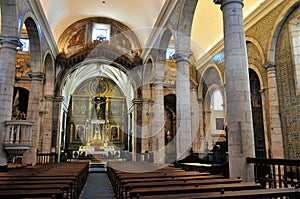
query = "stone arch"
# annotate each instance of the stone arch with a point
(184, 26)
(257, 115)
(49, 71)
(210, 81)
(209, 116)
(278, 25)
(34, 45)
(258, 47)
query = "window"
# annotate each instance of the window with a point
(170, 53)
(25, 45)
(217, 100)
(295, 35)
(100, 32)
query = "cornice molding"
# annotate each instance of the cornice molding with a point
(40, 15)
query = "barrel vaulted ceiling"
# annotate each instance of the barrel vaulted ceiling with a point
(140, 15)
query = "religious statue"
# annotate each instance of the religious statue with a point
(100, 107)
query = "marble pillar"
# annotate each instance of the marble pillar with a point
(239, 113)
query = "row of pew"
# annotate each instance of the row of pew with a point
(140, 180)
(63, 180)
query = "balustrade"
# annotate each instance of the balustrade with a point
(18, 137)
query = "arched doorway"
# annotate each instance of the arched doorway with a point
(257, 115)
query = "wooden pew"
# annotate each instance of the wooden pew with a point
(199, 182)
(36, 193)
(173, 179)
(153, 191)
(70, 177)
(291, 193)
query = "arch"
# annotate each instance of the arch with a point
(184, 27)
(34, 45)
(163, 44)
(278, 25)
(258, 47)
(260, 77)
(257, 115)
(49, 71)
(210, 118)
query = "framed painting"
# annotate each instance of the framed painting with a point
(79, 132)
(114, 132)
(219, 123)
(80, 107)
(116, 108)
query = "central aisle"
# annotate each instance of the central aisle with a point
(97, 187)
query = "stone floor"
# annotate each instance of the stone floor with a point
(97, 187)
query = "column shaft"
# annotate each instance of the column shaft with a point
(239, 114)
(33, 113)
(7, 76)
(183, 105)
(277, 150)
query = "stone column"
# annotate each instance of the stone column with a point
(159, 121)
(56, 123)
(277, 150)
(183, 105)
(195, 115)
(145, 126)
(201, 128)
(239, 114)
(47, 124)
(7, 77)
(33, 113)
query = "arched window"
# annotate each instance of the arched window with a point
(217, 100)
(294, 28)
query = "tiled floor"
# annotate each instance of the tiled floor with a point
(97, 187)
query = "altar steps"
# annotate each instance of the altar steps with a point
(97, 168)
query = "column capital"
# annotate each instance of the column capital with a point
(182, 56)
(58, 98)
(225, 2)
(270, 66)
(10, 42)
(38, 76)
(137, 101)
(49, 98)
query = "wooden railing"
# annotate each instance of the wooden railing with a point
(276, 173)
(43, 158)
